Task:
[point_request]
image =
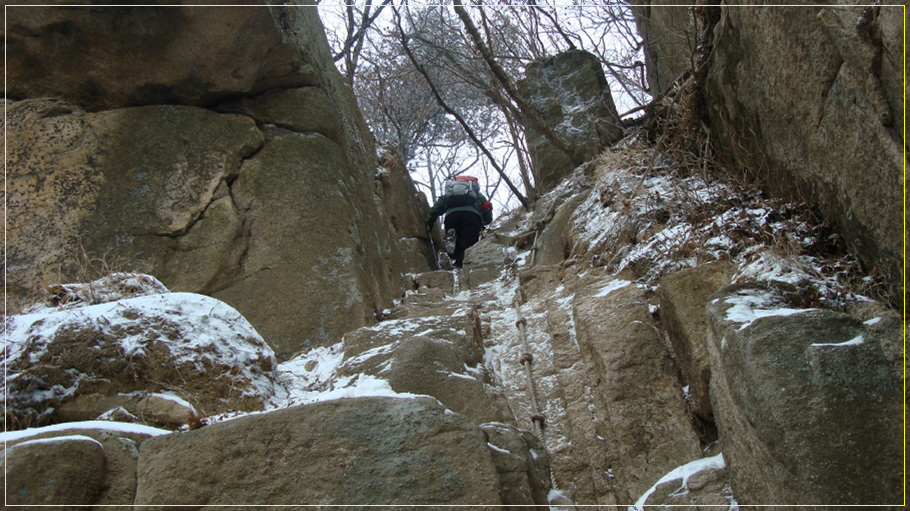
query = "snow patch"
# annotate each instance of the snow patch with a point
(856, 341)
(67, 438)
(121, 427)
(750, 306)
(683, 473)
(612, 286)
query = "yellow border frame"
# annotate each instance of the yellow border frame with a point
(5, 249)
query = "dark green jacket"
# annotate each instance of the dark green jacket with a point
(439, 208)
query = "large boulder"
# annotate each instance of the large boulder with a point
(305, 277)
(79, 362)
(809, 403)
(140, 187)
(103, 57)
(572, 95)
(65, 471)
(273, 205)
(374, 450)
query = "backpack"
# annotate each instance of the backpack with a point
(461, 191)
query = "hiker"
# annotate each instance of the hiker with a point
(466, 212)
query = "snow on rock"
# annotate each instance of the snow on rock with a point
(675, 487)
(642, 222)
(110, 288)
(748, 305)
(114, 427)
(856, 341)
(181, 346)
(64, 438)
(612, 286)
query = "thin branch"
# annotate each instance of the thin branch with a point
(404, 43)
(528, 112)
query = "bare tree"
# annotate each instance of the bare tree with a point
(467, 128)
(453, 95)
(357, 22)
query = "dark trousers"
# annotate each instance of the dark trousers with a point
(467, 231)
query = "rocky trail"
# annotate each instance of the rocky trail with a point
(237, 309)
(571, 380)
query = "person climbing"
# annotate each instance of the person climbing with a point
(466, 212)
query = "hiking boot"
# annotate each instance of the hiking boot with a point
(450, 242)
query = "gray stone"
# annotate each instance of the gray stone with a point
(804, 417)
(552, 246)
(802, 98)
(303, 110)
(118, 470)
(443, 280)
(668, 36)
(348, 451)
(436, 356)
(704, 489)
(571, 93)
(202, 200)
(119, 186)
(522, 463)
(60, 472)
(146, 409)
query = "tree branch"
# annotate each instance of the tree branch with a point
(528, 112)
(404, 43)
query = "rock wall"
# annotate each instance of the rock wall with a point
(669, 40)
(207, 147)
(808, 101)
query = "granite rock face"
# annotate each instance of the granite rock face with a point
(809, 102)
(348, 451)
(683, 296)
(102, 57)
(808, 402)
(277, 176)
